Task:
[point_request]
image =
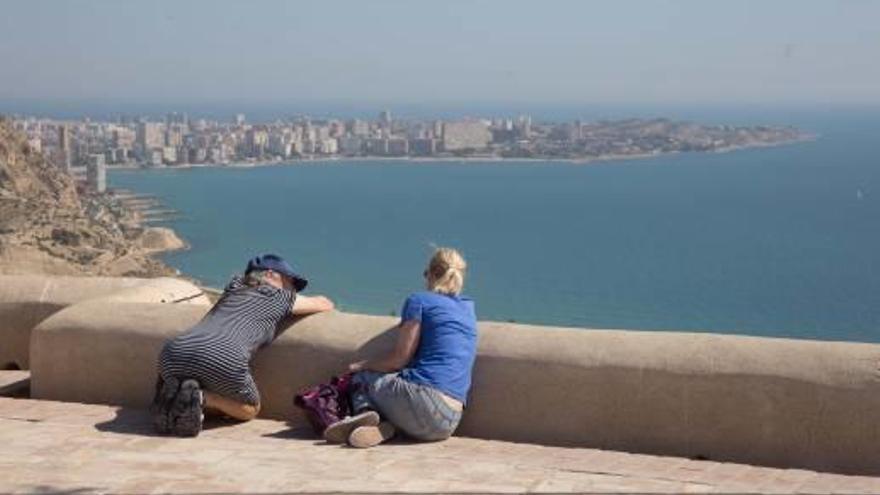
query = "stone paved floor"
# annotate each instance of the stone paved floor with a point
(78, 448)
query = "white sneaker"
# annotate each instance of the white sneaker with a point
(339, 431)
(364, 437)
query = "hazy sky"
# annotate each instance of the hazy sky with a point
(414, 51)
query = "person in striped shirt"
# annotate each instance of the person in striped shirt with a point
(208, 366)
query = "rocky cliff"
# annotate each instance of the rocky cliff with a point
(49, 226)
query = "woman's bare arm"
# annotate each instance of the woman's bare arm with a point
(400, 356)
(306, 305)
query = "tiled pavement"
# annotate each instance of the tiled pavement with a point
(78, 448)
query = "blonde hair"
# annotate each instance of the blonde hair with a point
(254, 278)
(445, 273)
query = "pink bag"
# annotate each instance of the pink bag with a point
(325, 404)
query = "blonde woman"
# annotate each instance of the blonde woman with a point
(421, 386)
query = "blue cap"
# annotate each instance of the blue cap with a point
(276, 264)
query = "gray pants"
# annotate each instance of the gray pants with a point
(417, 410)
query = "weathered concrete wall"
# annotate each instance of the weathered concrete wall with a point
(767, 401)
(26, 300)
(86, 353)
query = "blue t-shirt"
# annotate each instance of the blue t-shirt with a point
(447, 342)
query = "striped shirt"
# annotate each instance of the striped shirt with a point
(218, 350)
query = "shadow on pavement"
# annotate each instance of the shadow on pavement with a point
(297, 433)
(131, 421)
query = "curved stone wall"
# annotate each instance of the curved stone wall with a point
(26, 300)
(85, 353)
(777, 402)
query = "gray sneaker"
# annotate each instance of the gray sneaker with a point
(338, 432)
(163, 400)
(364, 437)
(187, 414)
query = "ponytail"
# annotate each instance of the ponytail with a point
(446, 271)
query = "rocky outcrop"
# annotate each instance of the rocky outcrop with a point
(159, 239)
(48, 226)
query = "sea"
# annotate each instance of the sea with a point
(779, 241)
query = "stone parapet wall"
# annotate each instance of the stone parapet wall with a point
(778, 402)
(26, 300)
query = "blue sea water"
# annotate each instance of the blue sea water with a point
(780, 241)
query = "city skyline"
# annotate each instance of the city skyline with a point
(554, 52)
(179, 140)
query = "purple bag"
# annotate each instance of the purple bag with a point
(326, 403)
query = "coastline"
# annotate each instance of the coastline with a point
(168, 240)
(329, 160)
(152, 240)
(780, 178)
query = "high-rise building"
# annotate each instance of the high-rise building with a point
(64, 147)
(473, 135)
(385, 119)
(422, 147)
(337, 128)
(322, 133)
(169, 155)
(303, 147)
(255, 142)
(149, 135)
(329, 146)
(308, 132)
(359, 128)
(239, 119)
(438, 129)
(182, 155)
(376, 146)
(173, 118)
(198, 155)
(398, 147)
(352, 145)
(64, 137)
(116, 155)
(123, 138)
(525, 126)
(216, 155)
(174, 135)
(96, 173)
(154, 157)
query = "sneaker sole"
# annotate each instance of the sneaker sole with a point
(186, 416)
(163, 401)
(339, 431)
(365, 437)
